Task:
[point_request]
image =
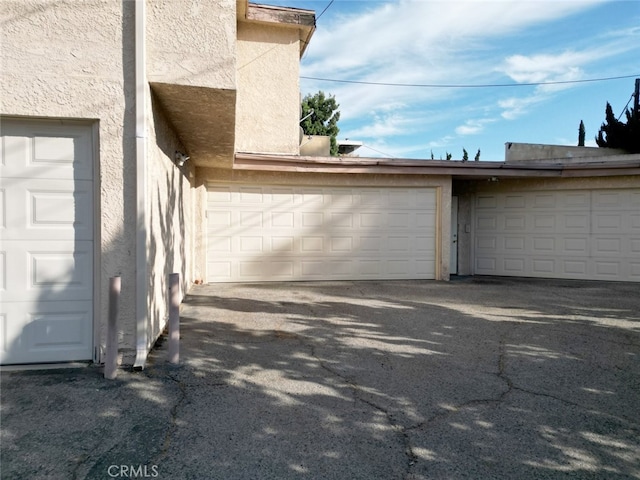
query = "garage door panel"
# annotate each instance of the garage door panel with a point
(486, 202)
(486, 222)
(634, 271)
(575, 246)
(320, 232)
(603, 223)
(486, 265)
(341, 245)
(544, 222)
(66, 154)
(54, 209)
(576, 222)
(485, 243)
(3, 272)
(45, 332)
(544, 245)
(3, 203)
(571, 234)
(514, 222)
(610, 200)
(542, 266)
(544, 200)
(58, 270)
(514, 201)
(574, 201)
(577, 267)
(511, 244)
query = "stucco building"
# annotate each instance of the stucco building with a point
(102, 102)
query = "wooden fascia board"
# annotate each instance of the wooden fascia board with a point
(601, 172)
(286, 16)
(351, 165)
(302, 20)
(365, 165)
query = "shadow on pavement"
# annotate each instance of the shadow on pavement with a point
(476, 378)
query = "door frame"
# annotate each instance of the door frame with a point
(453, 255)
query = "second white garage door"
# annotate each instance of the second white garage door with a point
(577, 234)
(272, 233)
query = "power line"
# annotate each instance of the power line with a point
(625, 107)
(315, 21)
(378, 151)
(486, 85)
(325, 9)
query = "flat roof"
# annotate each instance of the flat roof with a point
(456, 168)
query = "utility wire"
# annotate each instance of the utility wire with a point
(325, 9)
(306, 42)
(625, 107)
(378, 151)
(487, 85)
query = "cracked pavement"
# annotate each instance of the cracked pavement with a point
(477, 378)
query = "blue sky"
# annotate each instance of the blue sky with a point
(471, 43)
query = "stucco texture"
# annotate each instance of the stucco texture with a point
(192, 42)
(268, 103)
(57, 64)
(170, 210)
(75, 60)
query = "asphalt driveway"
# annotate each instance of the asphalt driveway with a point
(476, 378)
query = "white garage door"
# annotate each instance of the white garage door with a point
(581, 234)
(46, 250)
(309, 233)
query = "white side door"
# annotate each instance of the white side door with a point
(46, 242)
(453, 262)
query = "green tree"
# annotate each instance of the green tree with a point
(322, 117)
(581, 134)
(465, 155)
(477, 157)
(616, 134)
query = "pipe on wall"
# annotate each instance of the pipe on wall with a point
(141, 190)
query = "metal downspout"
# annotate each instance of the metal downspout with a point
(141, 190)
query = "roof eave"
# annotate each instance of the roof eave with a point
(301, 19)
(360, 165)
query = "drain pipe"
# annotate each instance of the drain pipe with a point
(141, 190)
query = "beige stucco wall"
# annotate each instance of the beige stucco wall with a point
(268, 91)
(441, 183)
(315, 145)
(171, 217)
(192, 42)
(467, 190)
(70, 59)
(536, 153)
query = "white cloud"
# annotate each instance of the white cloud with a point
(419, 42)
(449, 42)
(515, 107)
(473, 127)
(382, 126)
(546, 67)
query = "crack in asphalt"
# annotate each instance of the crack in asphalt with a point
(356, 390)
(173, 425)
(501, 374)
(359, 394)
